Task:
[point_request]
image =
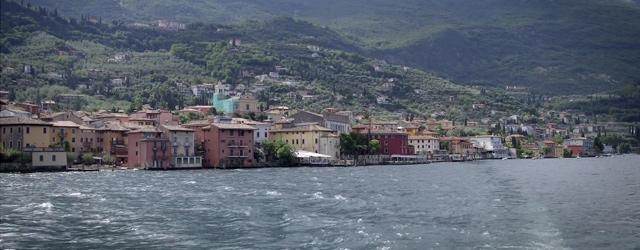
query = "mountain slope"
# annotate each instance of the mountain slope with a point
(569, 46)
(160, 66)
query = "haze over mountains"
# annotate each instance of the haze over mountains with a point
(567, 46)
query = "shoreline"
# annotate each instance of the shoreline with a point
(13, 170)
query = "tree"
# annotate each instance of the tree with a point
(87, 158)
(279, 152)
(374, 146)
(566, 153)
(67, 146)
(514, 142)
(624, 148)
(597, 145)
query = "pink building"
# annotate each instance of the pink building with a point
(197, 127)
(160, 117)
(147, 149)
(228, 145)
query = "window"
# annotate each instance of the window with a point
(28, 130)
(241, 152)
(73, 131)
(136, 152)
(302, 141)
(73, 139)
(53, 157)
(10, 130)
(231, 152)
(41, 157)
(73, 149)
(231, 132)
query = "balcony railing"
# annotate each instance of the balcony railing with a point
(187, 162)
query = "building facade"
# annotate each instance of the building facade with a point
(228, 145)
(148, 149)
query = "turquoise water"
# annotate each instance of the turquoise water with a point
(531, 204)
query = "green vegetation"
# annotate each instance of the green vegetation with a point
(279, 152)
(157, 67)
(569, 46)
(355, 144)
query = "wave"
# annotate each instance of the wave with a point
(274, 193)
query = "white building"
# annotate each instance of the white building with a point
(491, 146)
(424, 144)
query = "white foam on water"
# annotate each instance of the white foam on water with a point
(45, 205)
(76, 194)
(318, 195)
(190, 182)
(339, 197)
(273, 193)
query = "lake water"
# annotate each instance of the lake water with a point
(523, 204)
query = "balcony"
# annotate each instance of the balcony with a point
(187, 162)
(237, 145)
(238, 156)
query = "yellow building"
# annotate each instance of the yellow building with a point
(308, 137)
(66, 132)
(19, 132)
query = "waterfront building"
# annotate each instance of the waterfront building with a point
(424, 144)
(19, 133)
(579, 146)
(182, 141)
(309, 137)
(47, 156)
(462, 147)
(87, 139)
(491, 146)
(148, 149)
(66, 133)
(228, 145)
(111, 141)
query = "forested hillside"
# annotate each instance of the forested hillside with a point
(553, 47)
(316, 67)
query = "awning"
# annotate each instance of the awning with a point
(307, 154)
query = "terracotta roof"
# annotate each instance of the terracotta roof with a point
(233, 126)
(197, 123)
(65, 124)
(312, 127)
(145, 129)
(113, 127)
(422, 137)
(21, 121)
(177, 128)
